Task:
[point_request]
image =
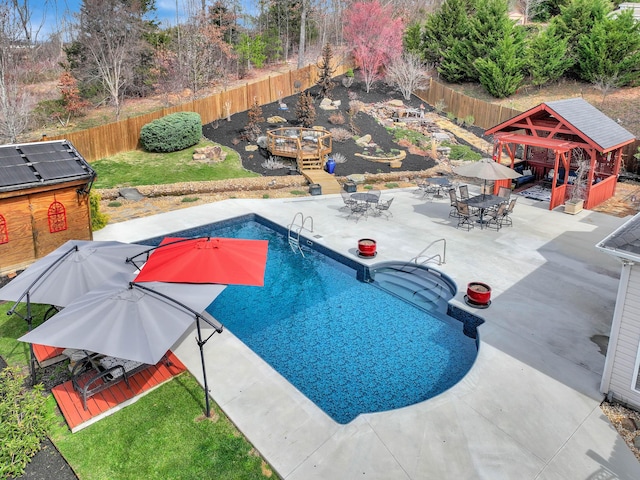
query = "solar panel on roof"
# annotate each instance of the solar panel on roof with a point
(17, 175)
(50, 156)
(59, 169)
(42, 148)
(8, 152)
(9, 161)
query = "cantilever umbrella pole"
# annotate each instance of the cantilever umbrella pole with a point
(199, 340)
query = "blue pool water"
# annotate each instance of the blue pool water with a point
(347, 345)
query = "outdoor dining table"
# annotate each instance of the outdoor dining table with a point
(483, 202)
(365, 197)
(439, 183)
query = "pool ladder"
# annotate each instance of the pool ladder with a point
(422, 258)
(295, 227)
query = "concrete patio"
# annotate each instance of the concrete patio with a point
(529, 407)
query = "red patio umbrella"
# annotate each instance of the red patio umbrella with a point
(228, 261)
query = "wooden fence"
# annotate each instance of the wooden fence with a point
(486, 115)
(99, 142)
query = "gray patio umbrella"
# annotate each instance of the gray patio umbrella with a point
(65, 274)
(131, 321)
(486, 169)
(70, 271)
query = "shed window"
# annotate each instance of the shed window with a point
(4, 233)
(57, 217)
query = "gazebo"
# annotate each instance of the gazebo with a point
(558, 136)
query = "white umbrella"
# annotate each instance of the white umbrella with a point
(486, 169)
(131, 321)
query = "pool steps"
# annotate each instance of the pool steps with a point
(422, 286)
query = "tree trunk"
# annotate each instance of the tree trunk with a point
(303, 34)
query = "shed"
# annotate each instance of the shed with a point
(561, 135)
(44, 200)
(621, 376)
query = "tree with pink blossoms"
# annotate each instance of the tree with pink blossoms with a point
(374, 36)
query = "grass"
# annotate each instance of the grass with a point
(163, 435)
(137, 167)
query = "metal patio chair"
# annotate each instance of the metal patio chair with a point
(382, 208)
(465, 217)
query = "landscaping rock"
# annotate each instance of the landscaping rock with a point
(364, 140)
(395, 103)
(441, 136)
(251, 148)
(130, 194)
(357, 178)
(276, 119)
(628, 424)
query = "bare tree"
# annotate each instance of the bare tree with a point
(111, 36)
(606, 84)
(15, 58)
(530, 8)
(408, 74)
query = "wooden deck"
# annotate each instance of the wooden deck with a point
(328, 182)
(115, 397)
(46, 355)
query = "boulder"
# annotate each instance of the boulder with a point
(357, 178)
(251, 148)
(363, 140)
(395, 103)
(276, 119)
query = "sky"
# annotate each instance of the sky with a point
(57, 10)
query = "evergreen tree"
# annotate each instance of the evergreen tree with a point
(412, 39)
(610, 52)
(325, 81)
(546, 56)
(576, 20)
(501, 72)
(305, 111)
(488, 27)
(443, 30)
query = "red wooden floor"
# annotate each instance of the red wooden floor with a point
(47, 355)
(107, 401)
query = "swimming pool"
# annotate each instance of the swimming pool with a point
(348, 346)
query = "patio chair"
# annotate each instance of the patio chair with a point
(96, 373)
(382, 208)
(348, 201)
(496, 217)
(506, 218)
(465, 217)
(358, 210)
(504, 192)
(453, 197)
(464, 192)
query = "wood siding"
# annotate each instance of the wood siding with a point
(623, 373)
(26, 214)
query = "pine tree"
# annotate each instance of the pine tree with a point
(305, 111)
(546, 56)
(325, 81)
(501, 72)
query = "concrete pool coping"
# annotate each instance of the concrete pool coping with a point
(529, 408)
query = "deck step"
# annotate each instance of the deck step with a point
(328, 182)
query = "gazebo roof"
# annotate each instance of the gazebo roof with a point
(579, 116)
(28, 165)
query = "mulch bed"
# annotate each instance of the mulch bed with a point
(228, 133)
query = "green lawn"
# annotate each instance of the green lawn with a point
(163, 435)
(130, 169)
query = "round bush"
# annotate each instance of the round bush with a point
(172, 133)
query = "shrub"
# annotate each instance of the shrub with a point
(189, 199)
(355, 106)
(305, 111)
(391, 185)
(339, 158)
(340, 134)
(273, 163)
(252, 129)
(114, 204)
(172, 133)
(22, 422)
(98, 219)
(336, 118)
